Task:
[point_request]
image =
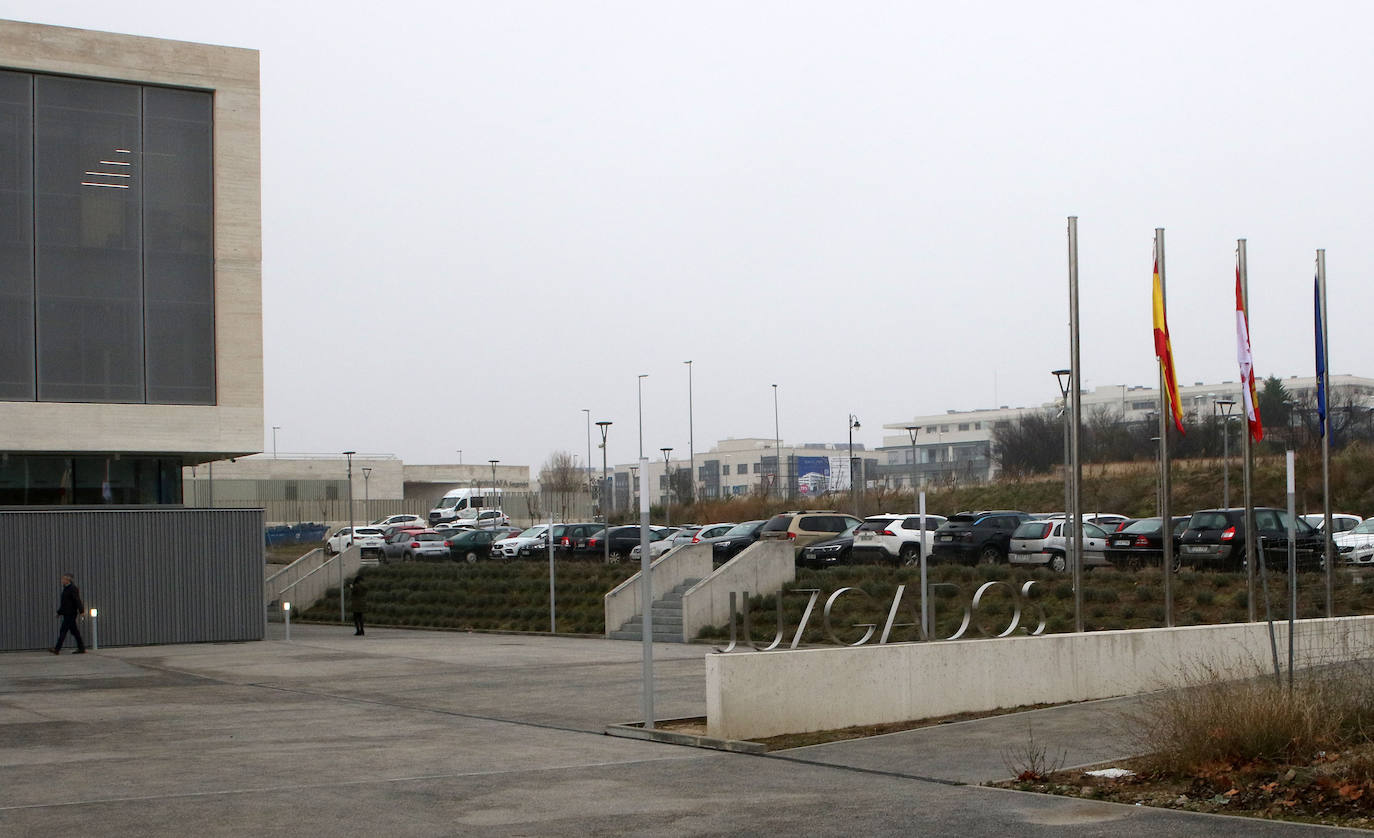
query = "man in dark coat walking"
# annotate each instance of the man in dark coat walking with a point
(70, 607)
(359, 596)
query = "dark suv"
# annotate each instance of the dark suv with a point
(982, 537)
(1215, 538)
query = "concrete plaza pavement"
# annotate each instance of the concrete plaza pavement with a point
(410, 733)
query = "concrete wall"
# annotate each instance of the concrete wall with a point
(752, 694)
(234, 425)
(761, 568)
(690, 561)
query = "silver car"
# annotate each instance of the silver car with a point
(527, 543)
(426, 544)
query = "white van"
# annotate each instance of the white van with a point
(464, 503)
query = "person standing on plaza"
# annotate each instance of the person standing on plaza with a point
(69, 608)
(358, 593)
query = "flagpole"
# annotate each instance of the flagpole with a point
(1251, 541)
(1324, 372)
(1075, 510)
(1165, 417)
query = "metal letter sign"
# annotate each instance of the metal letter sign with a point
(1020, 601)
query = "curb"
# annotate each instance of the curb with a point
(691, 740)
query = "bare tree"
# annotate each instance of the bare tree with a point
(560, 479)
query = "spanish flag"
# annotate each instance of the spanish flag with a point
(1164, 351)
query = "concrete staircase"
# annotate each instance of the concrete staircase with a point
(667, 614)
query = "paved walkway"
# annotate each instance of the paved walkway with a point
(405, 733)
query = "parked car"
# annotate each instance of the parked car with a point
(656, 548)
(527, 542)
(983, 537)
(733, 542)
(710, 531)
(426, 544)
(402, 520)
(368, 539)
(1356, 546)
(572, 538)
(622, 540)
(895, 537)
(471, 545)
(1340, 521)
(1142, 543)
(1216, 539)
(807, 526)
(394, 547)
(829, 552)
(484, 518)
(685, 534)
(1045, 543)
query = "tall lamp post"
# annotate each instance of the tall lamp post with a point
(1226, 406)
(1062, 377)
(367, 498)
(668, 507)
(853, 486)
(777, 444)
(589, 444)
(691, 440)
(351, 536)
(493, 488)
(912, 431)
(642, 376)
(604, 426)
(275, 428)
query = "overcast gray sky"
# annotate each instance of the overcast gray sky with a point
(480, 218)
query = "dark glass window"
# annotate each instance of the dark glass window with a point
(45, 480)
(16, 237)
(106, 250)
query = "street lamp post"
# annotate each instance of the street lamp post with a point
(367, 498)
(668, 507)
(604, 426)
(493, 488)
(912, 431)
(351, 535)
(777, 444)
(275, 428)
(1062, 377)
(589, 444)
(460, 456)
(1226, 406)
(691, 440)
(853, 486)
(642, 376)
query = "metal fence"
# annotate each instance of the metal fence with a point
(155, 575)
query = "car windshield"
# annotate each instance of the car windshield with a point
(368, 531)
(851, 529)
(448, 503)
(532, 532)
(1364, 527)
(1208, 521)
(874, 524)
(1032, 529)
(1300, 525)
(429, 536)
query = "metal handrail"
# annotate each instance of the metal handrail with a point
(293, 564)
(327, 563)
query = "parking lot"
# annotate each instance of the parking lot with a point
(411, 733)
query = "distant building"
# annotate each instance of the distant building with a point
(957, 445)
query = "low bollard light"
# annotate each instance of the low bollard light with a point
(286, 609)
(95, 632)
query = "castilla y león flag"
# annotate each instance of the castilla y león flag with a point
(1247, 364)
(1164, 351)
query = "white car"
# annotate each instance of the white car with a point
(482, 520)
(526, 543)
(400, 521)
(712, 531)
(1340, 521)
(1043, 543)
(894, 537)
(1356, 546)
(368, 539)
(656, 548)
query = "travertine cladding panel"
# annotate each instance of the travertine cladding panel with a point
(235, 424)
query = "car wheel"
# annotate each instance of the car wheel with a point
(990, 555)
(470, 557)
(908, 555)
(613, 558)
(1133, 563)
(1058, 563)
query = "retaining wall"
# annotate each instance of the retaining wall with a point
(753, 694)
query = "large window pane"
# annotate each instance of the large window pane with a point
(88, 240)
(16, 237)
(179, 277)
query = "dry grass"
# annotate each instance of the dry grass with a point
(1214, 721)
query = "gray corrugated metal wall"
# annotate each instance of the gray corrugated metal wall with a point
(157, 575)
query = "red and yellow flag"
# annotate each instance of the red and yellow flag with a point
(1164, 351)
